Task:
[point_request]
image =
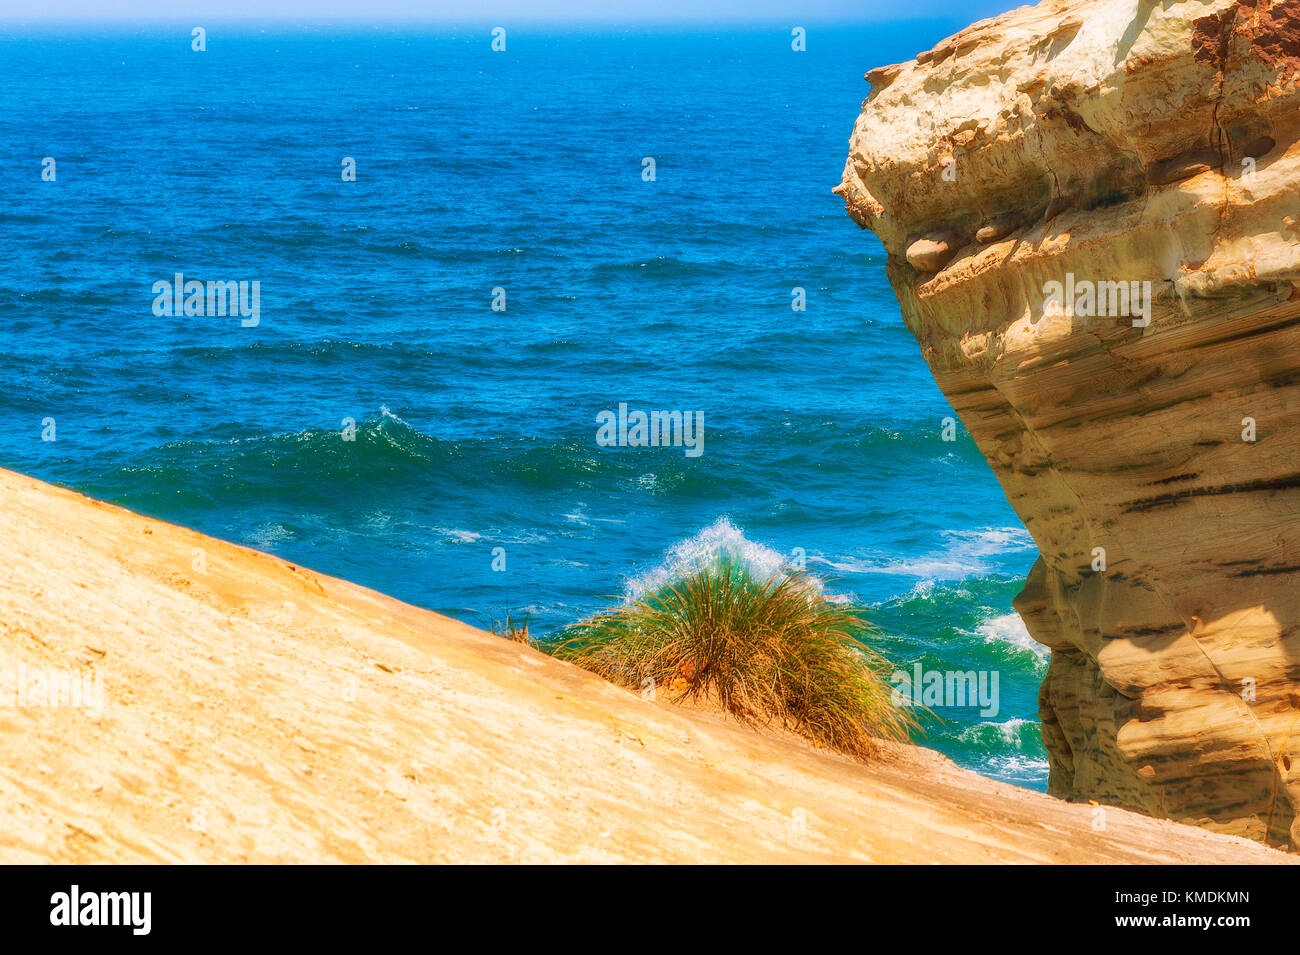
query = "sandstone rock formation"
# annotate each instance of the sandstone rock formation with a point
(1096, 144)
(231, 707)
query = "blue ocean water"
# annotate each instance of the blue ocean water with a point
(475, 429)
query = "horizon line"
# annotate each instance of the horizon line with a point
(382, 19)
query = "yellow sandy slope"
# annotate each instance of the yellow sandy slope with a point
(253, 711)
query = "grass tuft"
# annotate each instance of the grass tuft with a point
(513, 629)
(767, 651)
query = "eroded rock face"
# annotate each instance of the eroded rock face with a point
(1153, 453)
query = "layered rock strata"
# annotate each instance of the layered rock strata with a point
(1092, 215)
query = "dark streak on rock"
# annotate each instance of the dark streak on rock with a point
(1171, 480)
(1284, 483)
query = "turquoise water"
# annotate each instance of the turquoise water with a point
(476, 429)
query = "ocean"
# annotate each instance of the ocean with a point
(381, 421)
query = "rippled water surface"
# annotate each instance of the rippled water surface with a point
(475, 429)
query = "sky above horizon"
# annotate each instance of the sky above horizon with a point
(738, 11)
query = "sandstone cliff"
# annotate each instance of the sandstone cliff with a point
(1153, 453)
(215, 704)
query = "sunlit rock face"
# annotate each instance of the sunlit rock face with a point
(1092, 214)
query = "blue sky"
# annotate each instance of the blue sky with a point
(503, 11)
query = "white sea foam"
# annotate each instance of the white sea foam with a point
(931, 569)
(580, 517)
(465, 537)
(1016, 766)
(963, 556)
(378, 519)
(992, 540)
(1009, 730)
(267, 536)
(719, 539)
(385, 413)
(1009, 628)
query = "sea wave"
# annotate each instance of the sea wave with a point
(1017, 768)
(385, 447)
(965, 555)
(382, 450)
(720, 540)
(1016, 734)
(1010, 630)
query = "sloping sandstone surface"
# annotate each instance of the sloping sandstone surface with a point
(232, 707)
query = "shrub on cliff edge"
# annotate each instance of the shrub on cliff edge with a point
(766, 650)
